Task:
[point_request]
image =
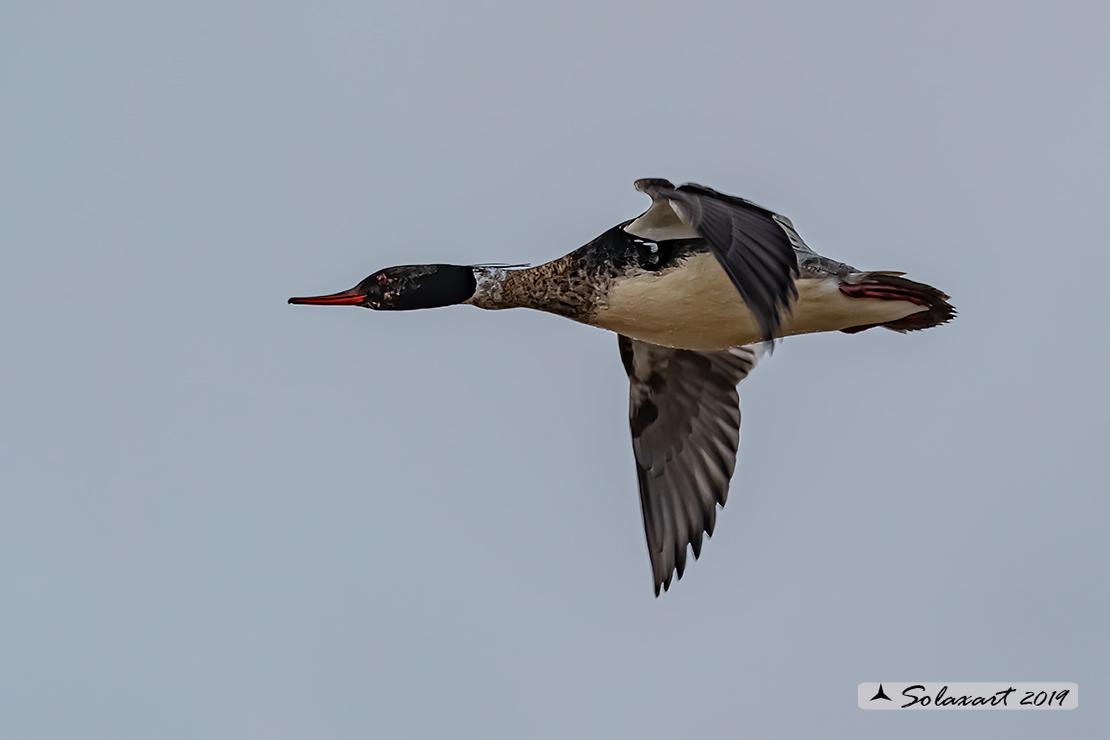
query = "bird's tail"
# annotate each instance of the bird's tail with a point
(891, 286)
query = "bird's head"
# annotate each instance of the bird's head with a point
(404, 288)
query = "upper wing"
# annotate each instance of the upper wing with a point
(753, 245)
(685, 418)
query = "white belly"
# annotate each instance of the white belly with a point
(697, 307)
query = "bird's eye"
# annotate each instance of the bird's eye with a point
(382, 280)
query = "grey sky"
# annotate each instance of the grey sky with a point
(225, 517)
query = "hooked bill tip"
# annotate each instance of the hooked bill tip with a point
(351, 297)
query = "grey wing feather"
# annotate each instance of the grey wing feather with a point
(754, 246)
(685, 417)
(810, 263)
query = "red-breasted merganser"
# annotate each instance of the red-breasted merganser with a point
(692, 287)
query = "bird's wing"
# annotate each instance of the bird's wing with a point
(685, 417)
(754, 246)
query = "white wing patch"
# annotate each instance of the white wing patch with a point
(660, 223)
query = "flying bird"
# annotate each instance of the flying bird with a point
(693, 287)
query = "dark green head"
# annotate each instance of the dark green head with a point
(404, 288)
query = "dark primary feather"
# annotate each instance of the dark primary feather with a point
(751, 243)
(685, 417)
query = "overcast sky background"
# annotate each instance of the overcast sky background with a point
(226, 517)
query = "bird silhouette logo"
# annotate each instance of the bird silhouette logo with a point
(881, 694)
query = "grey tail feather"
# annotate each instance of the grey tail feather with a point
(891, 285)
